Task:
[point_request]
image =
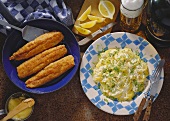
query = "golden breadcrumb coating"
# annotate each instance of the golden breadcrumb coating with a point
(41, 43)
(40, 61)
(51, 72)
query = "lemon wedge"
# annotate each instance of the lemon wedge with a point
(88, 24)
(82, 30)
(98, 19)
(83, 17)
(106, 9)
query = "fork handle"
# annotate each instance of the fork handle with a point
(148, 110)
(140, 108)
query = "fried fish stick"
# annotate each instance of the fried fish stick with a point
(41, 43)
(40, 61)
(51, 72)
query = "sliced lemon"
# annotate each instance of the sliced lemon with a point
(83, 17)
(82, 30)
(98, 19)
(88, 24)
(106, 9)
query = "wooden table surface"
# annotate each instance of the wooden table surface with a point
(70, 102)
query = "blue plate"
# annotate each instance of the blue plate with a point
(15, 41)
(117, 40)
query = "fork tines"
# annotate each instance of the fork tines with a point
(157, 71)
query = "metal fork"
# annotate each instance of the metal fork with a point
(156, 75)
(154, 78)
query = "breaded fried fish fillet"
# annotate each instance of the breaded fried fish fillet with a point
(51, 72)
(38, 45)
(38, 62)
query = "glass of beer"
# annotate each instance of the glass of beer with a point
(131, 14)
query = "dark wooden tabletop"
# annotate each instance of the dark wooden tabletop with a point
(70, 102)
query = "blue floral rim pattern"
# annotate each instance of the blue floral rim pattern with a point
(117, 40)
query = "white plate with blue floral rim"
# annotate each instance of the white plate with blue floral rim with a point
(117, 40)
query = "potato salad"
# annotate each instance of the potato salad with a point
(121, 73)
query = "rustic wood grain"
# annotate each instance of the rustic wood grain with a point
(95, 11)
(139, 110)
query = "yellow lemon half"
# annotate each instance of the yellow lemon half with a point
(106, 9)
(82, 30)
(83, 17)
(88, 24)
(98, 19)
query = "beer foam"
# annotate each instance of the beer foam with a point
(132, 4)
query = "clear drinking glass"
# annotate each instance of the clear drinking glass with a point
(131, 14)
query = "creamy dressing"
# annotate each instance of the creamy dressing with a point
(121, 73)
